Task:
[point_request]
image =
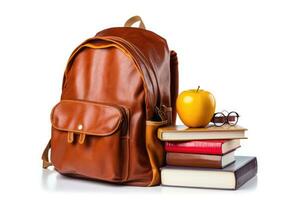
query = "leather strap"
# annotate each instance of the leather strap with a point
(174, 84)
(81, 138)
(133, 20)
(70, 137)
(45, 156)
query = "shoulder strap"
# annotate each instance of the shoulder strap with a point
(133, 20)
(174, 83)
(45, 156)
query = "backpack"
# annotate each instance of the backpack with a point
(118, 88)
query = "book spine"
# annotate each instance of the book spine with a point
(194, 160)
(159, 134)
(245, 173)
(196, 147)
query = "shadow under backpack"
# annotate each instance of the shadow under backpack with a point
(118, 88)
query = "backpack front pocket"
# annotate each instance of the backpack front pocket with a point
(90, 140)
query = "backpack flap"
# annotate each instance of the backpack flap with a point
(84, 118)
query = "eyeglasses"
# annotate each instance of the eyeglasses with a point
(221, 118)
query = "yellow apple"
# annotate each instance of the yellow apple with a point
(195, 107)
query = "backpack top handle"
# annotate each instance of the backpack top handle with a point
(133, 20)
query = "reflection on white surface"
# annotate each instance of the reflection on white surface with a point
(250, 185)
(53, 181)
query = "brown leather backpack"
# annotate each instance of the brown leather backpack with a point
(118, 88)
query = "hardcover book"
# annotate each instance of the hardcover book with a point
(199, 160)
(231, 177)
(183, 133)
(216, 147)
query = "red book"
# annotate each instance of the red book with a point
(215, 147)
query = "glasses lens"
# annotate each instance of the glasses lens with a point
(233, 118)
(219, 119)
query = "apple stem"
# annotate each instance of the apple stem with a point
(198, 88)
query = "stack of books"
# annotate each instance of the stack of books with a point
(205, 157)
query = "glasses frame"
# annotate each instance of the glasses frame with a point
(226, 118)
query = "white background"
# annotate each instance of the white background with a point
(245, 52)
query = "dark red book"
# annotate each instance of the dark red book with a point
(214, 147)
